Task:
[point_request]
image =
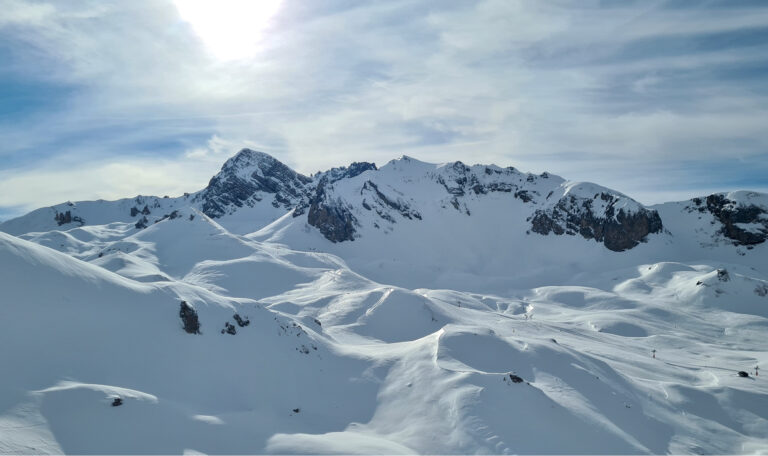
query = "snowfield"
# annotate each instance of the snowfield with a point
(440, 328)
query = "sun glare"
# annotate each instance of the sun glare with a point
(230, 29)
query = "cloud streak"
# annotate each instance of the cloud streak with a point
(657, 99)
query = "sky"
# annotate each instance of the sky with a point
(661, 100)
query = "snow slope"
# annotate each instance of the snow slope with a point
(441, 328)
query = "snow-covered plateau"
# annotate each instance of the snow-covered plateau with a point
(412, 308)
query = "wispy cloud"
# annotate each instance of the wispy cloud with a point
(658, 99)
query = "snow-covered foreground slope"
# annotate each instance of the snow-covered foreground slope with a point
(524, 318)
(333, 362)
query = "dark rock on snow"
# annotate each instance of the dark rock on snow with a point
(62, 218)
(337, 174)
(730, 214)
(189, 318)
(142, 223)
(241, 322)
(229, 328)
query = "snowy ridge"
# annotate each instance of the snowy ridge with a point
(73, 214)
(254, 189)
(588, 190)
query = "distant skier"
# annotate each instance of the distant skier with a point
(756, 368)
(654, 353)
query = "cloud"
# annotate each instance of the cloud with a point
(598, 91)
(110, 180)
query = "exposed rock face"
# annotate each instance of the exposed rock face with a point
(172, 216)
(379, 202)
(135, 211)
(461, 180)
(189, 318)
(249, 177)
(619, 230)
(334, 220)
(62, 218)
(744, 224)
(327, 178)
(355, 169)
(141, 223)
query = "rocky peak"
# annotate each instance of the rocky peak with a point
(247, 157)
(248, 178)
(249, 164)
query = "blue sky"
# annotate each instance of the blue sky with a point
(661, 100)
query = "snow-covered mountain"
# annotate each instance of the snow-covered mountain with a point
(416, 307)
(254, 189)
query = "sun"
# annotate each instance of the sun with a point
(230, 29)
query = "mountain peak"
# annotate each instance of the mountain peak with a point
(248, 158)
(247, 178)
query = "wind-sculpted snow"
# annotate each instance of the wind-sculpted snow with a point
(331, 360)
(440, 328)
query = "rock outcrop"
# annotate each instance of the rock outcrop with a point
(383, 204)
(189, 318)
(141, 223)
(619, 229)
(229, 328)
(332, 217)
(241, 322)
(62, 218)
(742, 223)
